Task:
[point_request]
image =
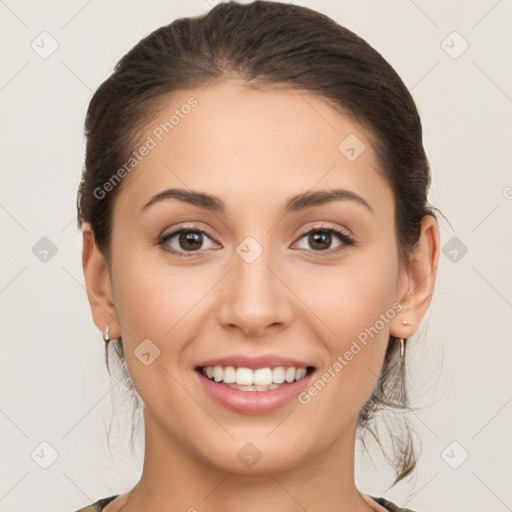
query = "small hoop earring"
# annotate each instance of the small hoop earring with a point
(106, 336)
(402, 348)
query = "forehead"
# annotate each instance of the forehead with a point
(251, 146)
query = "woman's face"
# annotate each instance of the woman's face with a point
(250, 279)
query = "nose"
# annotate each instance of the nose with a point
(254, 298)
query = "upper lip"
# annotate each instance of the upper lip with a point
(244, 361)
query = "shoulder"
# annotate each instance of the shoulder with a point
(391, 506)
(99, 505)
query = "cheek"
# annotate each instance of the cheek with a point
(155, 302)
(355, 304)
(153, 299)
(351, 296)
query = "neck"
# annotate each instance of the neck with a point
(174, 478)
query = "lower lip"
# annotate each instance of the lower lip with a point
(253, 402)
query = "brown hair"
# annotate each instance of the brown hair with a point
(267, 43)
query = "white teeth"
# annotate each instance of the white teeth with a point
(289, 374)
(300, 373)
(254, 388)
(278, 375)
(217, 373)
(263, 376)
(229, 375)
(260, 379)
(244, 376)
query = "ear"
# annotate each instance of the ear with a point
(98, 284)
(415, 292)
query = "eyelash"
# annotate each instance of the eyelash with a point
(346, 239)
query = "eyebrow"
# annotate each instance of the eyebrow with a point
(296, 203)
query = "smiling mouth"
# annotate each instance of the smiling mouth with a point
(261, 379)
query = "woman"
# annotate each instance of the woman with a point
(257, 239)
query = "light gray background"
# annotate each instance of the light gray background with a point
(55, 388)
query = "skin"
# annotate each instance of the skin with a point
(254, 149)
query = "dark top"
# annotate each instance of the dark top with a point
(99, 505)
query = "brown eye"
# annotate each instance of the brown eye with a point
(321, 240)
(190, 240)
(181, 241)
